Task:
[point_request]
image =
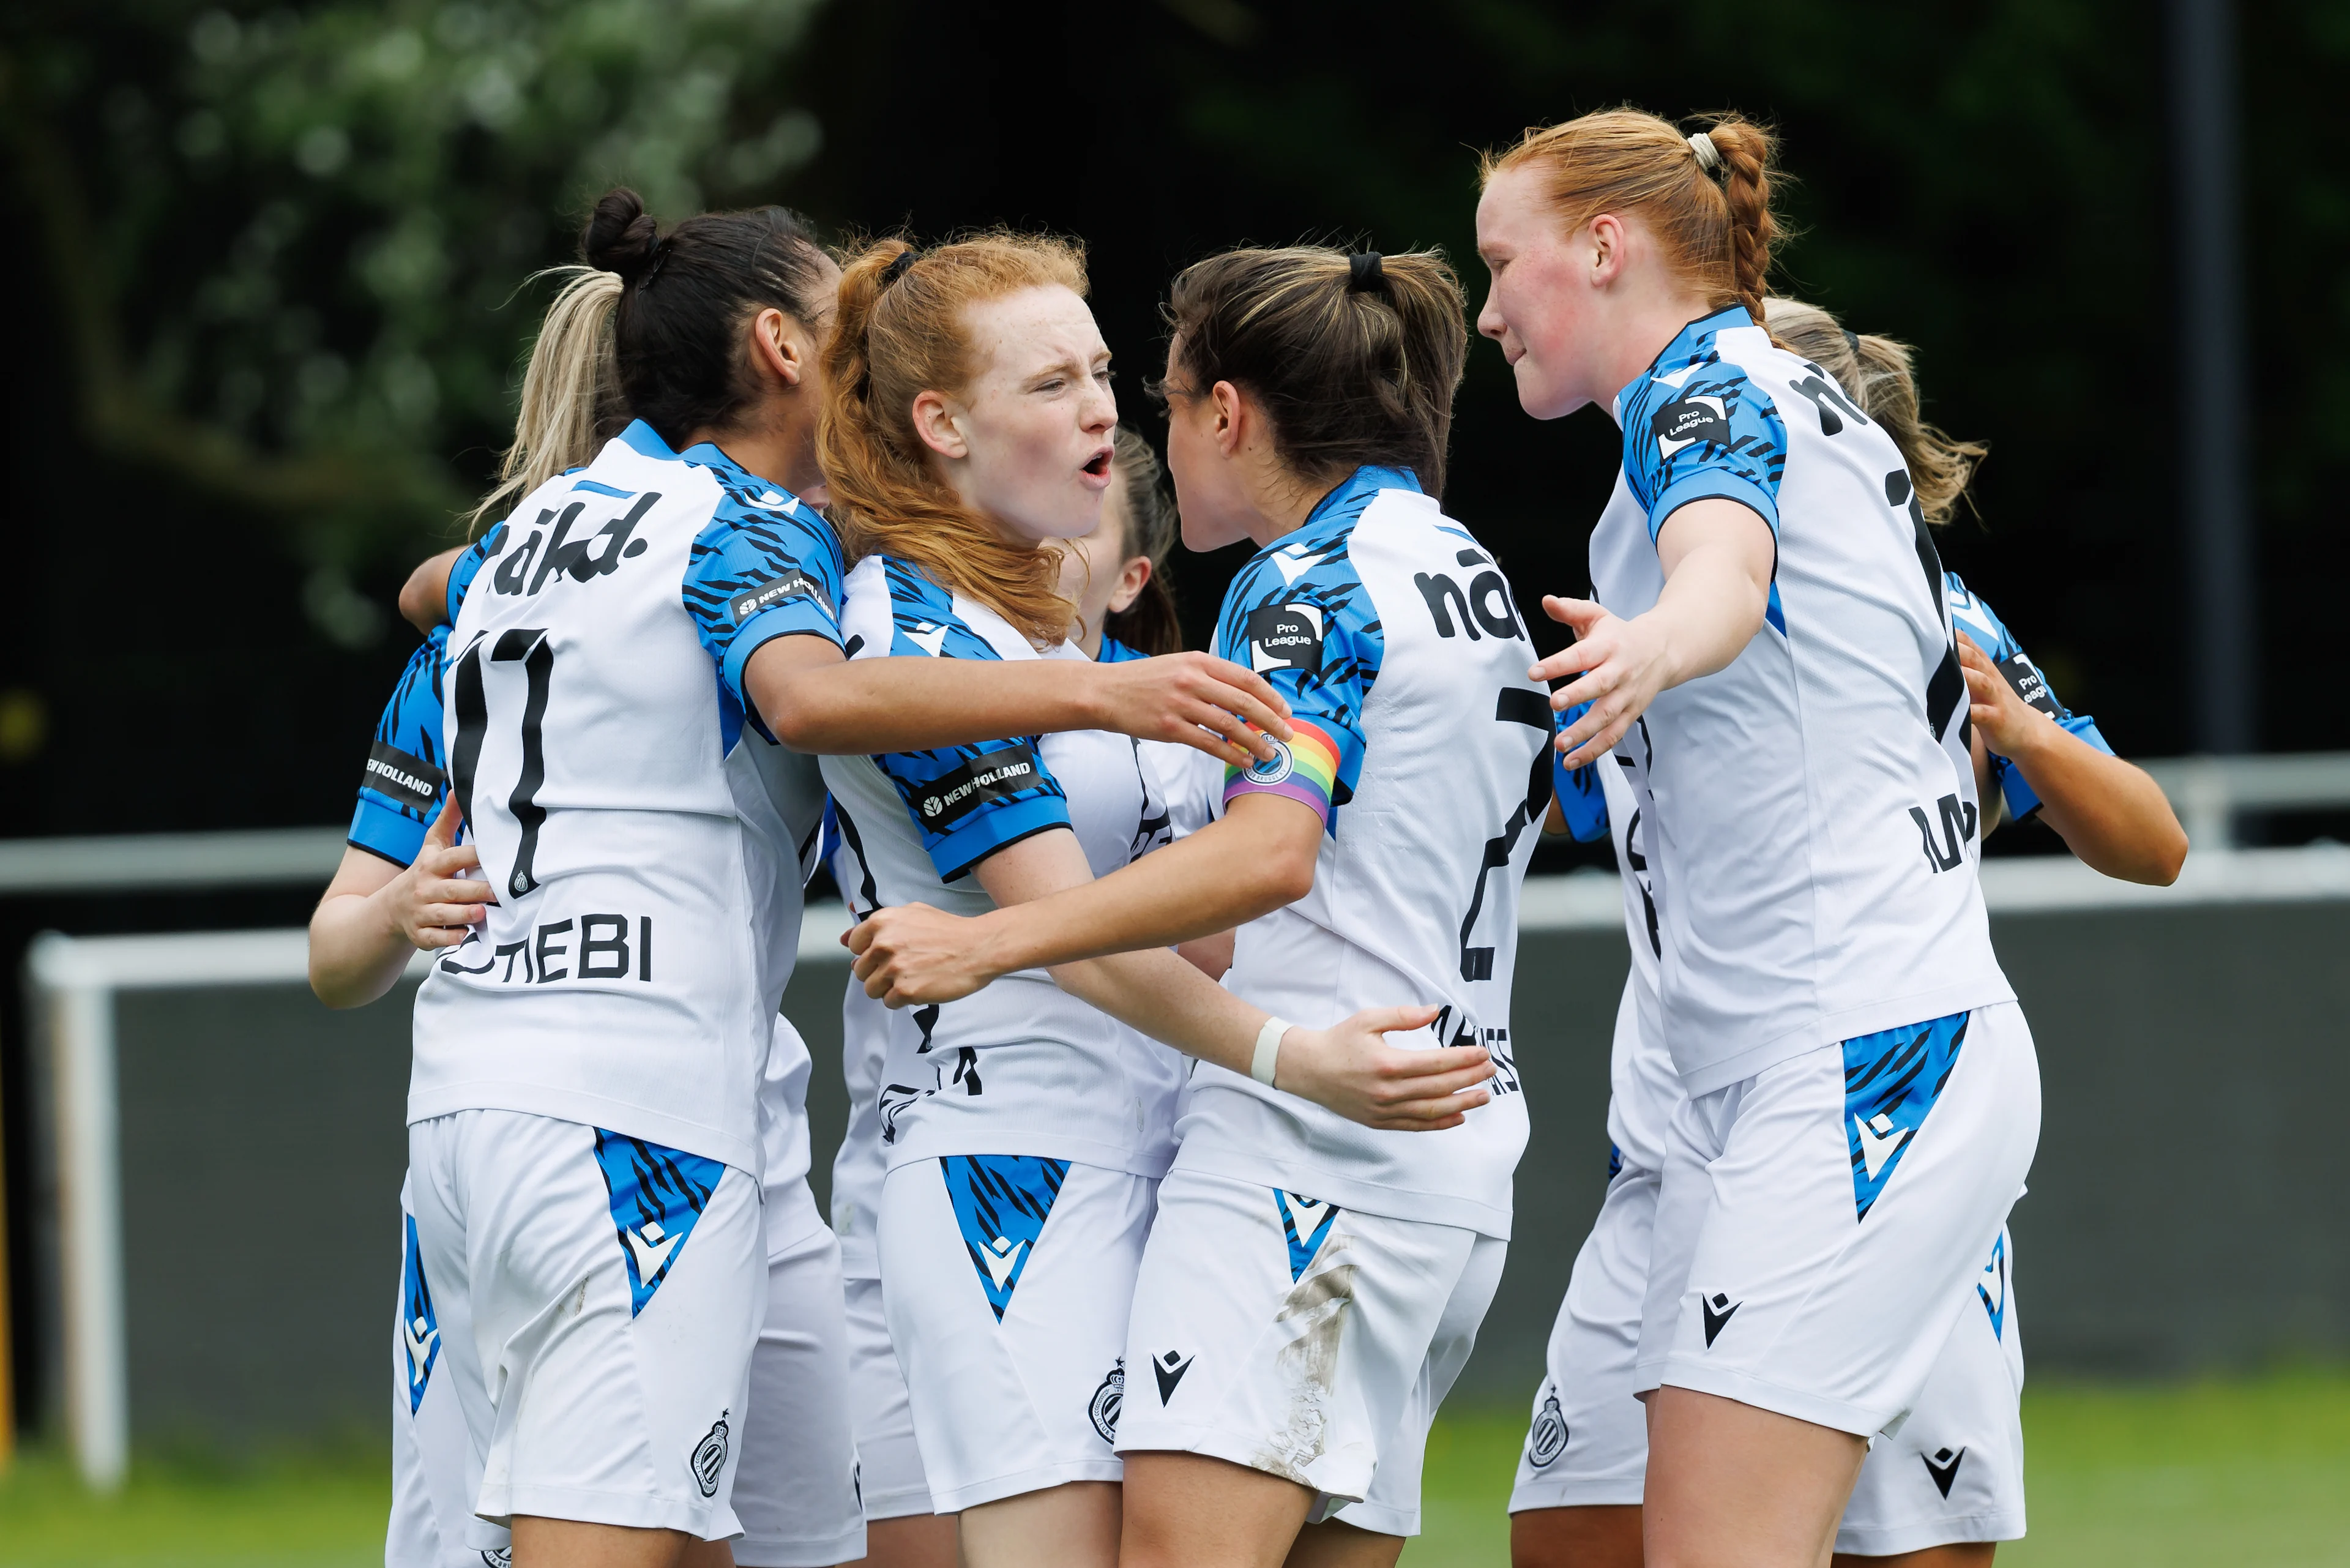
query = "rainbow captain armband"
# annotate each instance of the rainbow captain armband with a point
(1304, 769)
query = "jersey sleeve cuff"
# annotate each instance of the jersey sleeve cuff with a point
(386, 831)
(977, 838)
(794, 617)
(1306, 769)
(1708, 484)
(2023, 800)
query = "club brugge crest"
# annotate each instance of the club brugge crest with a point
(708, 1460)
(1547, 1438)
(1107, 1400)
(1273, 770)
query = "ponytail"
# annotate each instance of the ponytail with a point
(1706, 196)
(1356, 359)
(1877, 373)
(900, 331)
(570, 394)
(1149, 623)
(1746, 172)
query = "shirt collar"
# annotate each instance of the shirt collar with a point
(647, 440)
(1346, 502)
(1692, 343)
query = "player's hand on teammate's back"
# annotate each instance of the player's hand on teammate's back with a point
(429, 903)
(909, 955)
(1351, 1069)
(1195, 700)
(2006, 722)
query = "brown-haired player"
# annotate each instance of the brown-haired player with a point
(1311, 1287)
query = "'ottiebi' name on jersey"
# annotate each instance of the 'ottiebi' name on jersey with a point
(642, 833)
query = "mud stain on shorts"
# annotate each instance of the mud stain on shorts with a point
(1307, 1366)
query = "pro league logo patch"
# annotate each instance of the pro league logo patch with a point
(2025, 677)
(1284, 637)
(1688, 422)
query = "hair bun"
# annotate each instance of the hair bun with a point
(620, 234)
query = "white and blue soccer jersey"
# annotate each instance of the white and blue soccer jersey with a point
(643, 832)
(1192, 781)
(1810, 808)
(1391, 633)
(1021, 1068)
(1976, 619)
(402, 787)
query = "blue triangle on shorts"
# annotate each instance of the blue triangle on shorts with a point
(1305, 1223)
(1891, 1080)
(419, 1325)
(1991, 1285)
(1000, 1203)
(657, 1196)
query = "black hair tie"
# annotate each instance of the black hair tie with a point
(1365, 272)
(1852, 341)
(656, 254)
(898, 267)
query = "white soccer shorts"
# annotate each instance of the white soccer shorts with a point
(1006, 1280)
(796, 1489)
(1955, 1470)
(1818, 1223)
(434, 1474)
(890, 1461)
(1588, 1441)
(615, 1290)
(1954, 1474)
(1309, 1341)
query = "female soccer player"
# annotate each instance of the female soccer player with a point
(1311, 1287)
(1951, 1481)
(1115, 579)
(779, 287)
(1776, 669)
(969, 421)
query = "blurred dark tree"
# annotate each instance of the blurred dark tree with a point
(286, 244)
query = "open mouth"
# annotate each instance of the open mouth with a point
(1098, 466)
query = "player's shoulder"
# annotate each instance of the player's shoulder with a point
(925, 617)
(1973, 615)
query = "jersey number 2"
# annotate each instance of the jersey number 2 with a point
(536, 654)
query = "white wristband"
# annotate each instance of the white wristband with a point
(1268, 1049)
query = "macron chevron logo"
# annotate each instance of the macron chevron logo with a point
(1295, 563)
(651, 1247)
(930, 639)
(1001, 1256)
(1879, 1141)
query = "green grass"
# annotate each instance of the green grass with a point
(317, 1511)
(2254, 1472)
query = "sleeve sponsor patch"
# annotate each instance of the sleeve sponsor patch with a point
(398, 776)
(1688, 421)
(1284, 637)
(2029, 683)
(769, 594)
(990, 777)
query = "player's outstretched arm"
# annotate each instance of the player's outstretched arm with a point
(1259, 856)
(374, 915)
(2110, 814)
(814, 700)
(1349, 1068)
(1718, 556)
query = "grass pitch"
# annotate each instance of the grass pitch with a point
(2254, 1472)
